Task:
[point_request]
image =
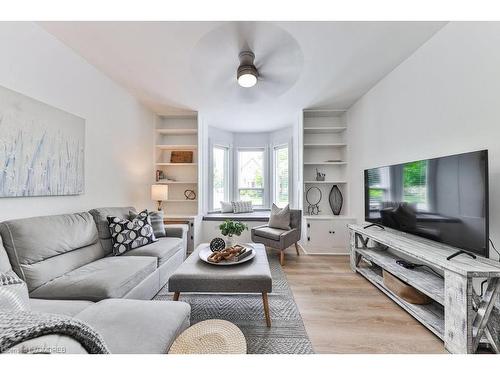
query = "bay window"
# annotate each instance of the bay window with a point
(250, 180)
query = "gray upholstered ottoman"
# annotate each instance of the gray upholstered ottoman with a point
(254, 276)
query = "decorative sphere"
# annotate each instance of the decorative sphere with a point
(217, 244)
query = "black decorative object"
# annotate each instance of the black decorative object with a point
(313, 208)
(336, 200)
(217, 244)
(190, 195)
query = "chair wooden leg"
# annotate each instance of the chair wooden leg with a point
(176, 296)
(282, 257)
(297, 248)
(265, 301)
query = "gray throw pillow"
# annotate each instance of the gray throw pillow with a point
(226, 207)
(280, 217)
(13, 292)
(242, 206)
(156, 218)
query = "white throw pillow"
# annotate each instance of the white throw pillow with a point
(226, 207)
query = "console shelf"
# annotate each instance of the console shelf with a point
(432, 315)
(458, 315)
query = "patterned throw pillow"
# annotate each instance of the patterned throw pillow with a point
(130, 234)
(13, 292)
(242, 206)
(156, 218)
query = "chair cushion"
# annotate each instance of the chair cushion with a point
(133, 326)
(162, 250)
(271, 233)
(110, 277)
(59, 306)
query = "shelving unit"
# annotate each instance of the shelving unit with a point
(178, 133)
(325, 149)
(458, 315)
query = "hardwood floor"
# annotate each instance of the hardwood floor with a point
(344, 313)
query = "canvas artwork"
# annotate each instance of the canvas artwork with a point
(41, 148)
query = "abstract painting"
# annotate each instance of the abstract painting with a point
(41, 148)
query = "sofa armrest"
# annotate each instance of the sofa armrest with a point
(176, 231)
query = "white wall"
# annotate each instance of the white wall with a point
(119, 131)
(444, 99)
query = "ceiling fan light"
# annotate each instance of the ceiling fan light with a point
(247, 80)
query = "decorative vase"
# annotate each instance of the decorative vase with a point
(336, 200)
(229, 241)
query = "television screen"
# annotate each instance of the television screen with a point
(443, 199)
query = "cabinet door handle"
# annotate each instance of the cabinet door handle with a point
(332, 232)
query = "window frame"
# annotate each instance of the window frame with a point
(227, 174)
(265, 188)
(274, 166)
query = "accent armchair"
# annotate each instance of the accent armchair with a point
(280, 239)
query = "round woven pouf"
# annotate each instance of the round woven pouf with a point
(212, 336)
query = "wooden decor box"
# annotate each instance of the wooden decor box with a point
(181, 157)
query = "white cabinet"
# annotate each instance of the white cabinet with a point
(327, 236)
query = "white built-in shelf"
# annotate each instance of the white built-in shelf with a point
(177, 131)
(328, 217)
(309, 145)
(325, 182)
(324, 129)
(177, 147)
(181, 200)
(177, 164)
(177, 182)
(325, 163)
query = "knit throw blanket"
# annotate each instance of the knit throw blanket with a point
(19, 326)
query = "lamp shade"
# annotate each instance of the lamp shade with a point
(159, 192)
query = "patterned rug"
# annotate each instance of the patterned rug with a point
(287, 334)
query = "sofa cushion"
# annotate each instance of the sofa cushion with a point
(100, 216)
(271, 233)
(110, 277)
(132, 326)
(130, 234)
(43, 248)
(58, 306)
(162, 250)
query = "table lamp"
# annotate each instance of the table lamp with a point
(159, 193)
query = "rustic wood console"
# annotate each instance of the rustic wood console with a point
(458, 314)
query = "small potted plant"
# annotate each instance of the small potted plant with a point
(230, 228)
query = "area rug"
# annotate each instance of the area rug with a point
(287, 334)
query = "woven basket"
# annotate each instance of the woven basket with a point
(210, 337)
(405, 291)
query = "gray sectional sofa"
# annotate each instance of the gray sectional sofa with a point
(67, 264)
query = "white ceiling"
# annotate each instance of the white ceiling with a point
(192, 65)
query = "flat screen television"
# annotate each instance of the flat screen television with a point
(443, 199)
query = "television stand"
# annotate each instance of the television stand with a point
(459, 316)
(461, 252)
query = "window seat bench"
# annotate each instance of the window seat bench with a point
(256, 215)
